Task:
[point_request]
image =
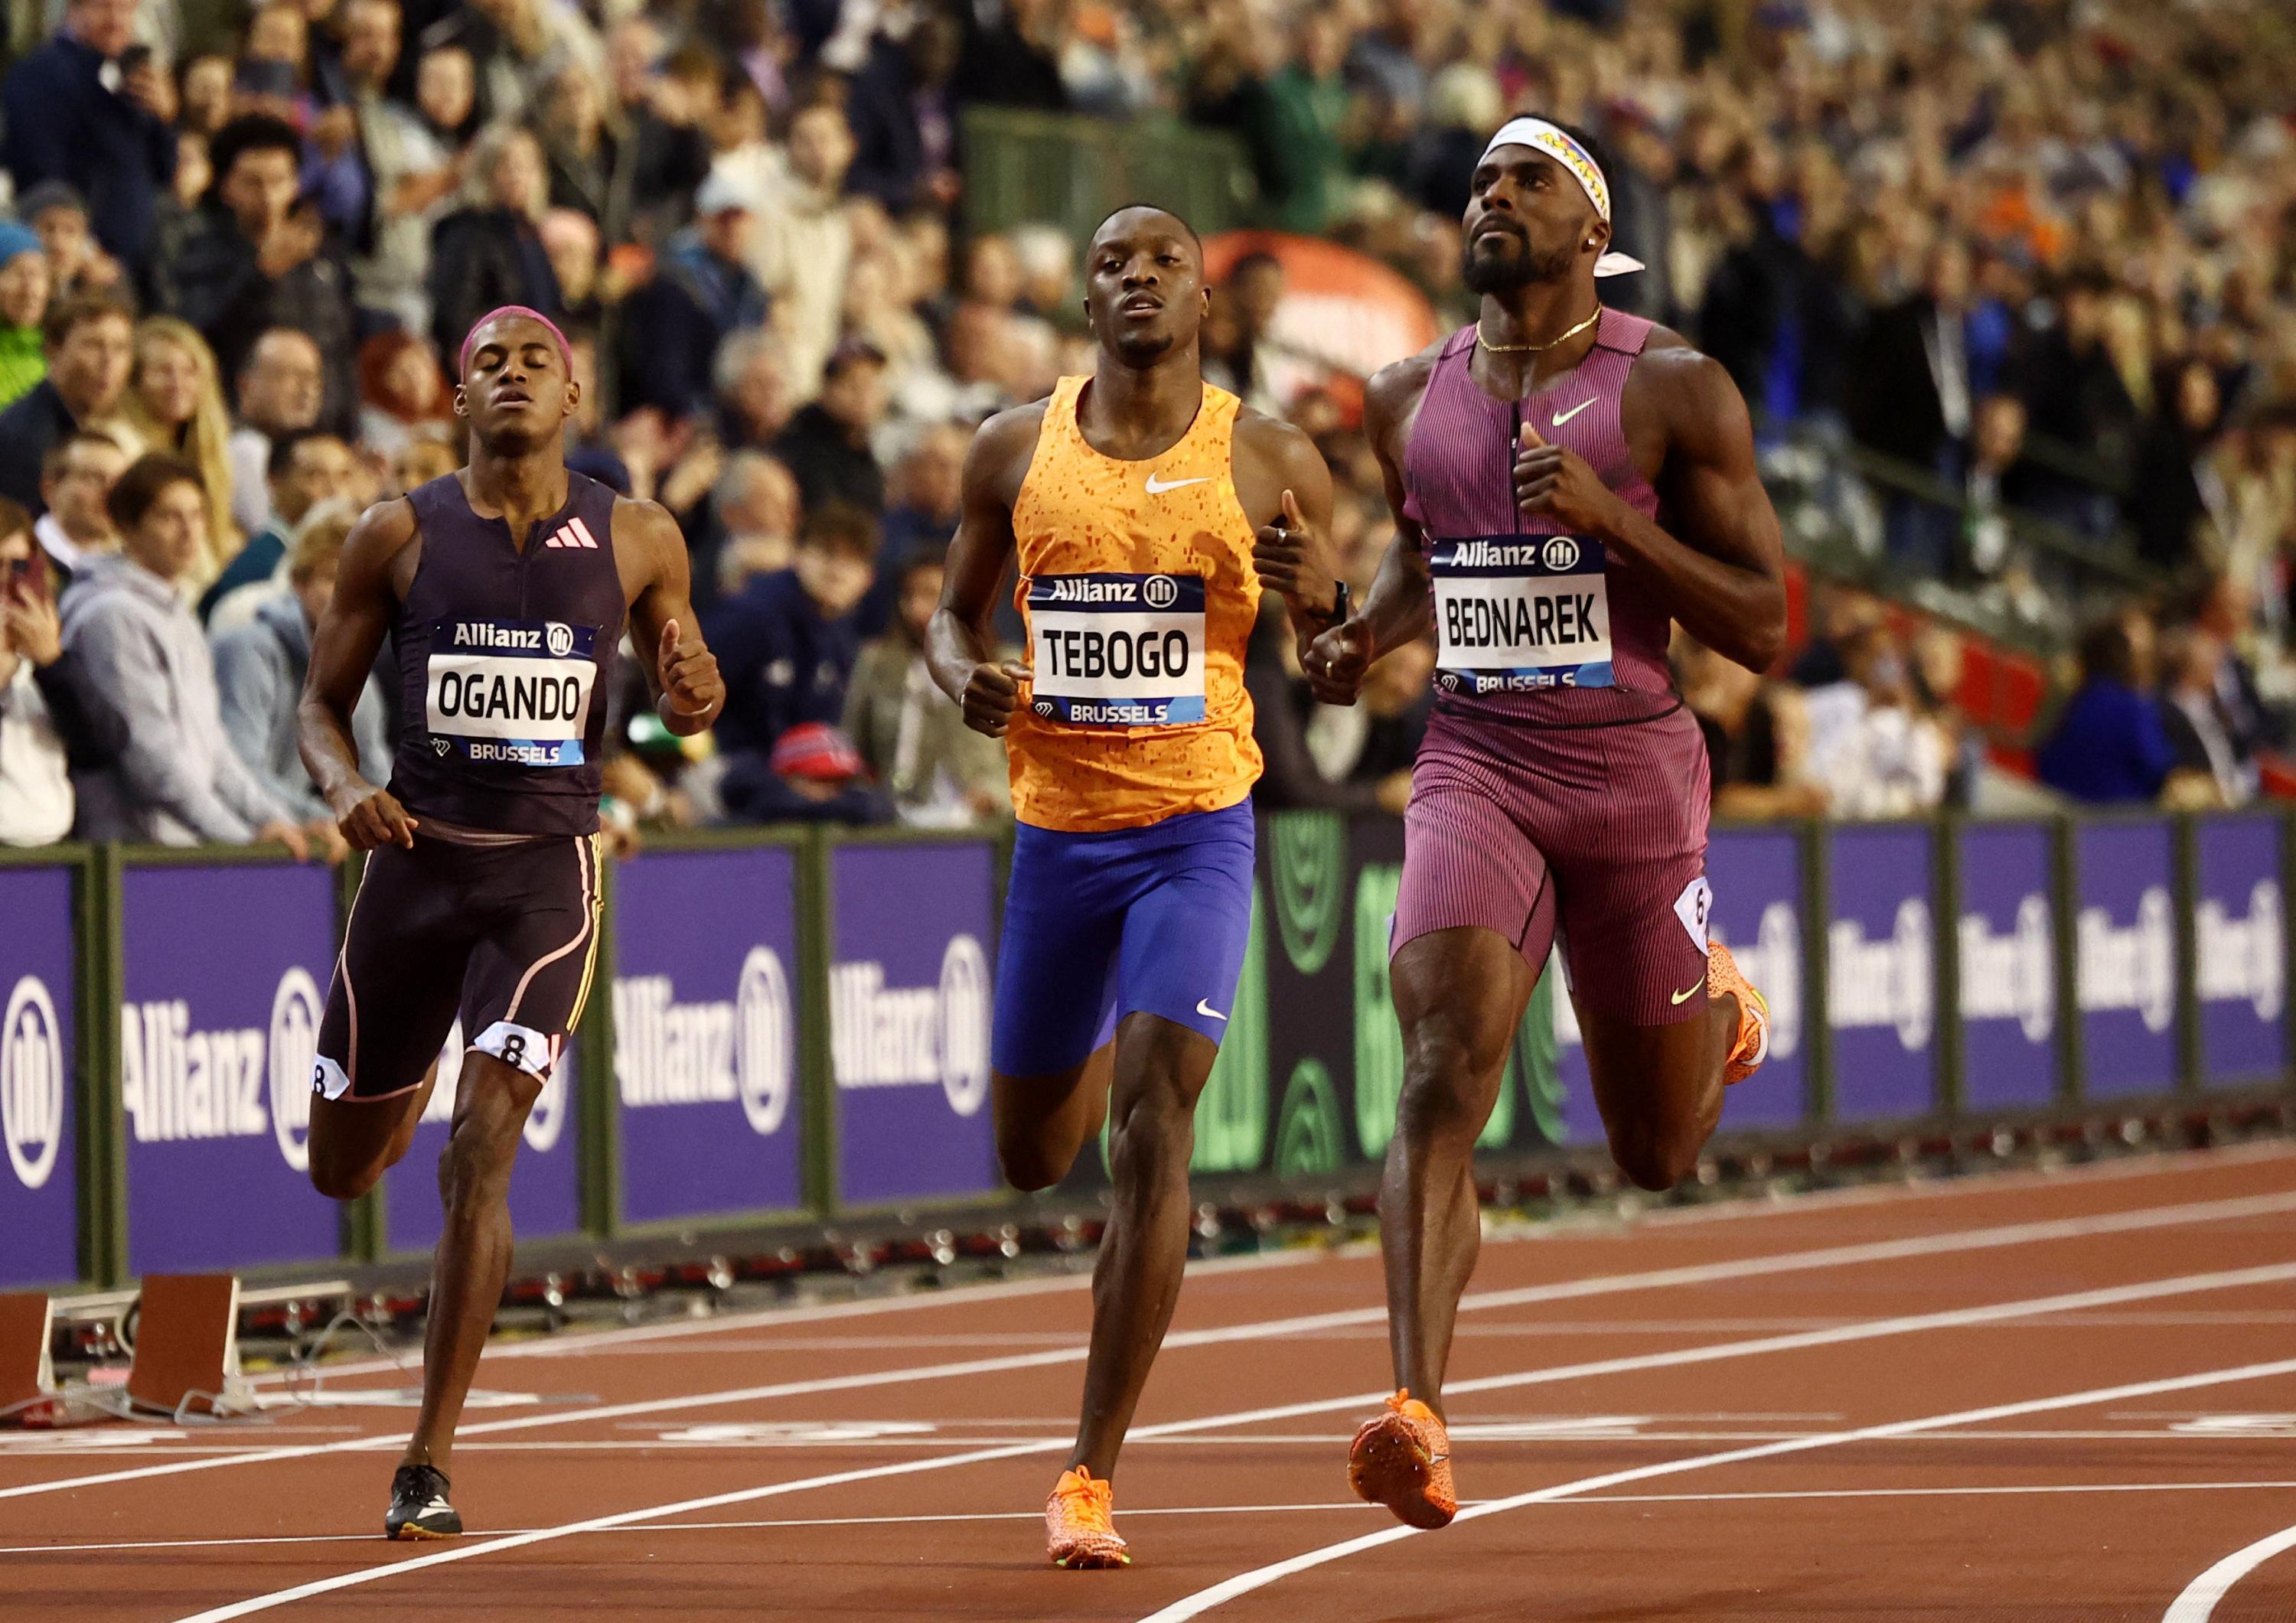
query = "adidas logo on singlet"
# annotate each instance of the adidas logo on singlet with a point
(572, 532)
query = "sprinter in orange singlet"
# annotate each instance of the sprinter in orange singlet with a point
(1147, 509)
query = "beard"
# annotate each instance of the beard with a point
(1503, 274)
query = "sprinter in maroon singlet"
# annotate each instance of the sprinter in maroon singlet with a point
(1567, 480)
(504, 589)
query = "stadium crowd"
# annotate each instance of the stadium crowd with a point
(2040, 254)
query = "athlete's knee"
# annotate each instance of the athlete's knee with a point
(1656, 1155)
(1029, 1162)
(1152, 1126)
(341, 1177)
(1451, 1071)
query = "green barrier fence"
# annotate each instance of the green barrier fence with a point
(1073, 172)
(794, 1028)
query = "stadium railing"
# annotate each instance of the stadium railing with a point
(790, 1031)
(1022, 167)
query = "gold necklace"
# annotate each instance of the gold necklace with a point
(1562, 338)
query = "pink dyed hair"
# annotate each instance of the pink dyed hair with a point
(470, 338)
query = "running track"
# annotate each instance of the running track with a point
(2069, 1396)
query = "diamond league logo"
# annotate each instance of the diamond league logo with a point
(964, 1005)
(293, 1052)
(761, 1040)
(1561, 553)
(560, 638)
(1160, 592)
(31, 1082)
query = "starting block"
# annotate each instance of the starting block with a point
(186, 1358)
(28, 1379)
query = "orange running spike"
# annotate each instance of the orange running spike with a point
(1752, 1046)
(1080, 1523)
(1402, 1459)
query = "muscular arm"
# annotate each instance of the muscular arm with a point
(681, 671)
(960, 648)
(1274, 461)
(1399, 607)
(343, 647)
(1722, 573)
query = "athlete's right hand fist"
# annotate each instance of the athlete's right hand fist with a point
(990, 692)
(1337, 661)
(370, 818)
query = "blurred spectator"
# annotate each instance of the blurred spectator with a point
(259, 670)
(700, 292)
(754, 514)
(305, 470)
(410, 173)
(1252, 291)
(806, 240)
(402, 393)
(1910, 399)
(2076, 396)
(87, 341)
(36, 793)
(2165, 501)
(2226, 612)
(174, 404)
(516, 47)
(1293, 123)
(1378, 736)
(142, 658)
(1757, 736)
(76, 479)
(447, 96)
(2000, 477)
(1891, 758)
(754, 396)
(489, 253)
(2200, 740)
(788, 644)
(1280, 705)
(928, 497)
(939, 772)
(2107, 746)
(257, 260)
(876, 308)
(826, 446)
(904, 118)
(586, 289)
(816, 776)
(23, 301)
(282, 389)
(423, 458)
(1011, 56)
(76, 263)
(93, 108)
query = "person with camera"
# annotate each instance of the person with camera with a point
(35, 792)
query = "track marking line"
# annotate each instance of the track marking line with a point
(2272, 1274)
(1749, 1267)
(2198, 1601)
(1246, 1583)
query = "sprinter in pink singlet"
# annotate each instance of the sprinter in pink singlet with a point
(1568, 481)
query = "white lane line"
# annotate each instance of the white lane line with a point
(579, 1344)
(1246, 1583)
(2273, 1273)
(2198, 1602)
(1699, 1274)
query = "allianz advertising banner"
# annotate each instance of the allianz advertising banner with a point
(39, 1187)
(226, 975)
(2008, 939)
(2125, 937)
(546, 1185)
(2241, 932)
(1881, 973)
(706, 1098)
(909, 1009)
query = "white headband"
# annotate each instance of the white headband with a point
(1541, 137)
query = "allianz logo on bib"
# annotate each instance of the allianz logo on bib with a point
(31, 1081)
(669, 1053)
(2131, 967)
(178, 1084)
(906, 1036)
(2011, 976)
(2241, 960)
(1891, 982)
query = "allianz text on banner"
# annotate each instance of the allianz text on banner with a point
(2007, 939)
(671, 1052)
(2240, 924)
(909, 1036)
(177, 1082)
(2125, 942)
(544, 1194)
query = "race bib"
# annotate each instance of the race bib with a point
(1517, 613)
(1117, 651)
(514, 692)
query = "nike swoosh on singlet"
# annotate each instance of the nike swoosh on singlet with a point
(1562, 417)
(1157, 487)
(1683, 997)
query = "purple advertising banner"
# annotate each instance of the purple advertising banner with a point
(226, 976)
(2006, 936)
(1881, 968)
(2239, 929)
(909, 1006)
(40, 1189)
(2125, 938)
(1757, 912)
(545, 1186)
(707, 1096)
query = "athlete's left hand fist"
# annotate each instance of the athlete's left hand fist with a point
(1554, 482)
(691, 685)
(1293, 559)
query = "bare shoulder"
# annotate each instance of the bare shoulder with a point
(1693, 395)
(646, 522)
(1272, 439)
(382, 532)
(1002, 449)
(1394, 390)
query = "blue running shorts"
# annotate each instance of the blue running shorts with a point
(1098, 926)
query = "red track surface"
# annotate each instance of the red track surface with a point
(889, 1484)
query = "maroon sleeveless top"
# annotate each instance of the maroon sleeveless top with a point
(1523, 608)
(502, 662)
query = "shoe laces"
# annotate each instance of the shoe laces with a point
(1087, 1499)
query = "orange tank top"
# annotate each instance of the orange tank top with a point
(1139, 594)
